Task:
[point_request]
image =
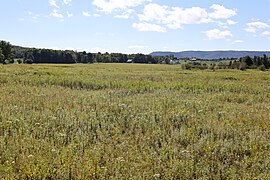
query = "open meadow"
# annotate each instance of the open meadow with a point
(133, 121)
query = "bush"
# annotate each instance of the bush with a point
(243, 66)
(186, 66)
(28, 61)
(19, 61)
(7, 61)
(203, 67)
(221, 66)
(11, 61)
(213, 67)
(253, 67)
(262, 68)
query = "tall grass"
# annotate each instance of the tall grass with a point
(119, 121)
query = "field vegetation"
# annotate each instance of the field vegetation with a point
(132, 121)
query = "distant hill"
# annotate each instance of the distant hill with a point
(212, 54)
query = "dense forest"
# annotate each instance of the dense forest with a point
(34, 55)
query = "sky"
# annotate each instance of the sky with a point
(136, 26)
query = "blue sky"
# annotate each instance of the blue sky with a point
(131, 26)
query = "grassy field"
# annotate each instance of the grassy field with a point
(128, 121)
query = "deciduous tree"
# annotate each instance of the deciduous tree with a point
(1, 56)
(7, 51)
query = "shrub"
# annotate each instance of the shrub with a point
(253, 67)
(11, 61)
(19, 61)
(186, 66)
(28, 61)
(7, 61)
(262, 68)
(212, 67)
(203, 66)
(221, 65)
(243, 67)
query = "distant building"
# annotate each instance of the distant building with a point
(130, 61)
(193, 59)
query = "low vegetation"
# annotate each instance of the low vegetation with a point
(132, 121)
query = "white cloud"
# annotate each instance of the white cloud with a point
(223, 25)
(67, 2)
(177, 17)
(220, 12)
(231, 22)
(69, 15)
(32, 17)
(238, 41)
(56, 14)
(148, 27)
(266, 34)
(194, 15)
(29, 13)
(87, 14)
(96, 15)
(126, 14)
(226, 24)
(157, 17)
(254, 26)
(110, 5)
(53, 3)
(173, 17)
(154, 12)
(218, 34)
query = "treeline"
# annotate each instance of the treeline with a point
(36, 55)
(251, 63)
(243, 63)
(33, 55)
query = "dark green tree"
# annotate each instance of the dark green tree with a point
(84, 58)
(266, 62)
(167, 60)
(1, 56)
(7, 51)
(248, 61)
(230, 64)
(258, 61)
(90, 58)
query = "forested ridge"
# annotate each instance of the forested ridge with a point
(37, 55)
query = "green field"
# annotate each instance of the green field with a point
(129, 121)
